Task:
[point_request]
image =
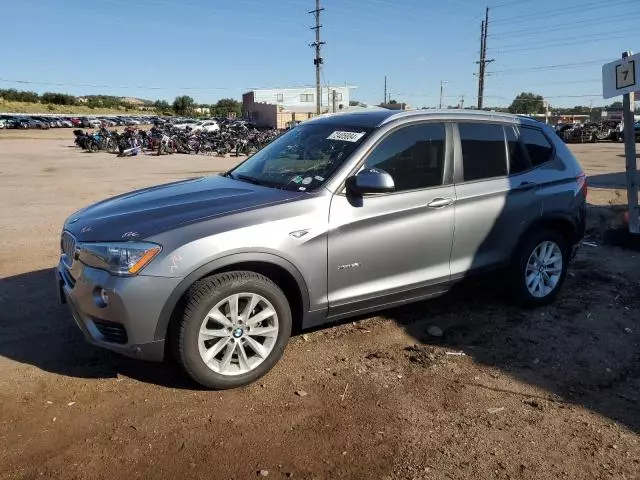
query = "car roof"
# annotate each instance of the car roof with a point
(377, 118)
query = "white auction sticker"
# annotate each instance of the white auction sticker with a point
(346, 136)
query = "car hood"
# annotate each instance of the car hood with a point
(146, 212)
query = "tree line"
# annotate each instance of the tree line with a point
(182, 105)
(226, 107)
(528, 103)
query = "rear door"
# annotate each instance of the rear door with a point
(496, 194)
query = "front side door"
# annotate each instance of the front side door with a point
(387, 248)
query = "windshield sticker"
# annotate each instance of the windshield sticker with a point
(319, 178)
(307, 181)
(346, 136)
(297, 179)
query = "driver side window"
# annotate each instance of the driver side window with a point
(413, 156)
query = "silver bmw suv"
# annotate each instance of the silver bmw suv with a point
(342, 215)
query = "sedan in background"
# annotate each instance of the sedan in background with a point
(206, 126)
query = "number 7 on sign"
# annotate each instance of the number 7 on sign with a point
(625, 74)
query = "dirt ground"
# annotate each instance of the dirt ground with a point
(504, 393)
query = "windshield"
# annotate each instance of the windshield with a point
(303, 158)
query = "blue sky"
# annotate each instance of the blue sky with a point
(211, 49)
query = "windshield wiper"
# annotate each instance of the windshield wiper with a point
(247, 178)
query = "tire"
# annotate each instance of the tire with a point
(519, 270)
(202, 298)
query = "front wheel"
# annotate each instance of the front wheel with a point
(234, 328)
(539, 268)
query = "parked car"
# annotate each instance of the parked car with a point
(3, 123)
(53, 122)
(33, 123)
(343, 215)
(183, 124)
(16, 123)
(66, 122)
(107, 122)
(206, 126)
(87, 122)
(76, 122)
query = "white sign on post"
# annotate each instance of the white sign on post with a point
(621, 76)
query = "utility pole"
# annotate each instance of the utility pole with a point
(483, 58)
(442, 82)
(385, 90)
(461, 102)
(333, 98)
(317, 61)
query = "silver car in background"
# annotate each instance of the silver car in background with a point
(343, 215)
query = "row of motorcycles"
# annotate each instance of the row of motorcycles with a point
(165, 140)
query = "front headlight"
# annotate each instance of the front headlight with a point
(126, 258)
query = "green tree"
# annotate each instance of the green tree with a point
(183, 105)
(224, 107)
(527, 103)
(12, 94)
(161, 106)
(58, 98)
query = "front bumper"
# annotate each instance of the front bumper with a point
(126, 324)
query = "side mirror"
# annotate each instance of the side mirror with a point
(370, 180)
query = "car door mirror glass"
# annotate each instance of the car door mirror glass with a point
(370, 180)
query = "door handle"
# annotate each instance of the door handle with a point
(440, 202)
(527, 185)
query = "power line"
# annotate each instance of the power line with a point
(90, 85)
(551, 44)
(586, 7)
(508, 4)
(563, 26)
(572, 82)
(145, 87)
(551, 67)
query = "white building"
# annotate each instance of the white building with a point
(275, 107)
(302, 97)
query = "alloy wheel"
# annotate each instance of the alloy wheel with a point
(544, 269)
(238, 334)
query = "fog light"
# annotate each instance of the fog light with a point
(100, 297)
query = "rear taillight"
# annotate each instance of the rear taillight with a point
(581, 179)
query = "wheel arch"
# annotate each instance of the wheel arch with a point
(559, 223)
(282, 272)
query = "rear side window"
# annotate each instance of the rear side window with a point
(483, 151)
(413, 156)
(518, 160)
(538, 146)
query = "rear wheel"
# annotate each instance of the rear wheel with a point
(234, 328)
(539, 268)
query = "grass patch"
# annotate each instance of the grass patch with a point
(39, 108)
